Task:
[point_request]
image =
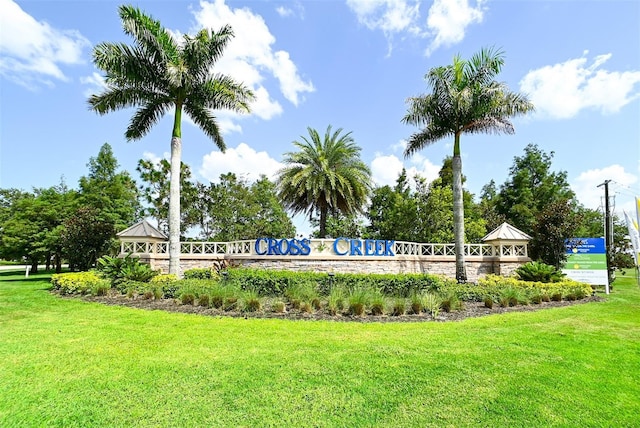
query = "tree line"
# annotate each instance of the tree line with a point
(56, 224)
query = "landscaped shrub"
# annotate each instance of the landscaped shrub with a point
(535, 296)
(119, 269)
(358, 298)
(488, 302)
(77, 282)
(335, 301)
(399, 306)
(494, 284)
(187, 298)
(204, 300)
(305, 308)
(431, 302)
(230, 303)
(353, 294)
(279, 307)
(138, 272)
(416, 303)
(301, 292)
(539, 272)
(377, 302)
(450, 302)
(201, 273)
(251, 301)
(164, 278)
(509, 296)
(276, 283)
(101, 288)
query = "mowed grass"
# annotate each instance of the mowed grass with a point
(65, 362)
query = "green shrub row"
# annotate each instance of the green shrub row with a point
(319, 289)
(273, 283)
(493, 285)
(80, 283)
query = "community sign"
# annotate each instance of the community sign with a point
(586, 260)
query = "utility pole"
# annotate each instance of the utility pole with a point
(608, 236)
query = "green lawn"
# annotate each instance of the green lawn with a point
(65, 362)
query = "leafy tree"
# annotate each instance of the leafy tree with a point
(424, 214)
(554, 223)
(155, 192)
(32, 224)
(270, 219)
(86, 237)
(112, 194)
(393, 213)
(435, 212)
(21, 230)
(326, 175)
(157, 74)
(531, 187)
(590, 223)
(435, 217)
(488, 208)
(234, 210)
(340, 225)
(465, 98)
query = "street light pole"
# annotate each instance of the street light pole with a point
(608, 237)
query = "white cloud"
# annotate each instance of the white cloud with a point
(31, 51)
(284, 11)
(385, 169)
(249, 56)
(586, 184)
(95, 82)
(293, 8)
(390, 16)
(448, 20)
(155, 159)
(562, 90)
(244, 161)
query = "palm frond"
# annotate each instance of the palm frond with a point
(222, 92)
(203, 117)
(149, 34)
(426, 137)
(325, 174)
(201, 52)
(117, 98)
(144, 119)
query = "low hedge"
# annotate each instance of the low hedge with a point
(491, 285)
(79, 283)
(272, 282)
(276, 283)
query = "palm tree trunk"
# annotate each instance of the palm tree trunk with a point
(323, 221)
(174, 207)
(458, 212)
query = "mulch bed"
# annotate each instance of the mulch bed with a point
(469, 310)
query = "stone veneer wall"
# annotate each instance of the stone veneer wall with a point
(476, 267)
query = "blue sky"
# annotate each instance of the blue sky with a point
(350, 64)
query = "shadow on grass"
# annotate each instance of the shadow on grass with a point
(18, 275)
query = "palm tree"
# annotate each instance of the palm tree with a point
(465, 98)
(326, 175)
(159, 73)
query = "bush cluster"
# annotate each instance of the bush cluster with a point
(79, 283)
(252, 290)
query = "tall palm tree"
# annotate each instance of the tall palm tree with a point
(325, 175)
(159, 73)
(465, 98)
